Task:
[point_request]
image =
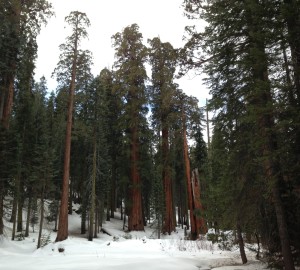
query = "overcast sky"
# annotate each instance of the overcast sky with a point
(163, 18)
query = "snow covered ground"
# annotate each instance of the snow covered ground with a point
(119, 252)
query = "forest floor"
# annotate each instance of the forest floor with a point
(119, 250)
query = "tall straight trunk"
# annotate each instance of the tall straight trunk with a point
(20, 212)
(262, 103)
(8, 102)
(62, 232)
(169, 225)
(113, 189)
(28, 216)
(241, 244)
(83, 218)
(135, 219)
(93, 191)
(188, 181)
(13, 234)
(41, 221)
(14, 209)
(96, 222)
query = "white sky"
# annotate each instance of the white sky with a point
(163, 18)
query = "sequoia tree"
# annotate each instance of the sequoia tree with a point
(66, 71)
(163, 65)
(130, 56)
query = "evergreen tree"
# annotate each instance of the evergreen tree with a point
(242, 41)
(66, 74)
(131, 75)
(163, 65)
(20, 24)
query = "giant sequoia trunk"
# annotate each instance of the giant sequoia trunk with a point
(194, 233)
(135, 221)
(7, 91)
(168, 225)
(201, 227)
(62, 232)
(7, 99)
(7, 84)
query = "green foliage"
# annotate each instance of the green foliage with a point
(248, 47)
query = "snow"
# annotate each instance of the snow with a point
(120, 250)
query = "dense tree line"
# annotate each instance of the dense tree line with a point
(114, 141)
(250, 53)
(119, 140)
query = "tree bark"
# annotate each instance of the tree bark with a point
(28, 216)
(168, 225)
(113, 189)
(41, 221)
(262, 106)
(201, 227)
(62, 233)
(135, 219)
(194, 235)
(93, 192)
(241, 244)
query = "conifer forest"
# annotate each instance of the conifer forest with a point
(130, 139)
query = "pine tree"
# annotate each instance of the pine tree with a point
(20, 24)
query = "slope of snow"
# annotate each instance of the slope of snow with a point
(116, 251)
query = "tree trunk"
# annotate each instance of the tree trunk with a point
(20, 213)
(41, 221)
(113, 189)
(241, 243)
(96, 223)
(13, 234)
(135, 220)
(168, 226)
(62, 233)
(262, 106)
(83, 218)
(14, 209)
(28, 216)
(199, 220)
(194, 235)
(93, 192)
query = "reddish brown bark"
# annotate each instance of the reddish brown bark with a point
(201, 227)
(62, 232)
(135, 220)
(188, 182)
(8, 101)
